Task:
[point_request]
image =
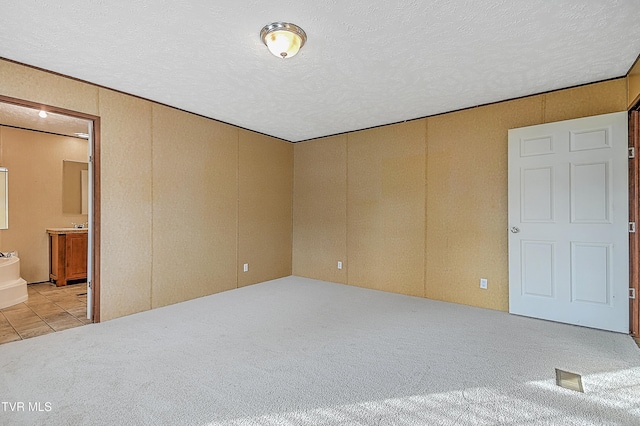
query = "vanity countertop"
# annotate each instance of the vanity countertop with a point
(57, 231)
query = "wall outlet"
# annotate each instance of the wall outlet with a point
(339, 265)
(483, 283)
(245, 268)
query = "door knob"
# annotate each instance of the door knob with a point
(515, 229)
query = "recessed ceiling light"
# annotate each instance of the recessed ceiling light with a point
(42, 114)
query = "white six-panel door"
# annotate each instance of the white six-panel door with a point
(568, 222)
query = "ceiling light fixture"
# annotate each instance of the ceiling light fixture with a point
(284, 40)
(42, 114)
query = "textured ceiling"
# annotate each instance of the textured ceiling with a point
(28, 118)
(366, 63)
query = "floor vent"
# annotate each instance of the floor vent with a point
(569, 380)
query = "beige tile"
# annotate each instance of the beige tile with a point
(56, 316)
(7, 329)
(72, 290)
(43, 288)
(26, 323)
(9, 337)
(3, 320)
(35, 331)
(35, 299)
(20, 316)
(16, 308)
(47, 315)
(38, 301)
(40, 286)
(32, 291)
(78, 312)
(65, 323)
(55, 297)
(48, 309)
(68, 303)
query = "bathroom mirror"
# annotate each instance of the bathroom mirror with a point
(4, 198)
(74, 187)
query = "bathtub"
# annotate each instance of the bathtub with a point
(13, 289)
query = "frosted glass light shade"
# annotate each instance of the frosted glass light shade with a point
(283, 40)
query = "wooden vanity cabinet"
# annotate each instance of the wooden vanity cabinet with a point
(67, 255)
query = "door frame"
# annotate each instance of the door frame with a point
(95, 226)
(634, 216)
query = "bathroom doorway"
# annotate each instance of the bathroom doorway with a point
(72, 128)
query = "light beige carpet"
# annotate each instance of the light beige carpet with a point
(296, 351)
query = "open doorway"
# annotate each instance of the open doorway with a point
(72, 145)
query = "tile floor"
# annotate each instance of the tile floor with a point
(48, 309)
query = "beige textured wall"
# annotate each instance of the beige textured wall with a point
(424, 199)
(34, 160)
(467, 201)
(430, 227)
(320, 209)
(126, 203)
(18, 81)
(633, 84)
(171, 196)
(584, 101)
(265, 191)
(385, 208)
(195, 192)
(634, 89)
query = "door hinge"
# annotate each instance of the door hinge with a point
(632, 152)
(632, 227)
(632, 293)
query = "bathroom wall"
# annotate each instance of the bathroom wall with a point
(34, 160)
(421, 207)
(170, 222)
